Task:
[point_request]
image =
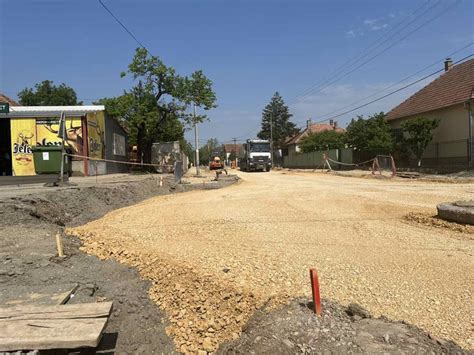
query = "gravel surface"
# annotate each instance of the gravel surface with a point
(30, 272)
(216, 256)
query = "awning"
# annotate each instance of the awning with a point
(52, 111)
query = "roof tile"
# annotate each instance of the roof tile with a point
(453, 87)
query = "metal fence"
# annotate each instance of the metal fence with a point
(454, 154)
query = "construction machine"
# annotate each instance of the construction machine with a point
(256, 155)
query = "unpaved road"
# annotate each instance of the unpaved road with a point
(215, 256)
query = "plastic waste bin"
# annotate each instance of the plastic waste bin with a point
(47, 160)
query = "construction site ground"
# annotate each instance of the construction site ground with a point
(31, 272)
(216, 257)
(228, 268)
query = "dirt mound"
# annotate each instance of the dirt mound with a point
(77, 205)
(432, 220)
(296, 329)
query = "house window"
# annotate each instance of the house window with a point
(119, 145)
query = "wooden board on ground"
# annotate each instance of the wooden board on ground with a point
(53, 327)
(47, 295)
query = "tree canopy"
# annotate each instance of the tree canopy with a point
(370, 135)
(156, 109)
(419, 133)
(205, 152)
(277, 114)
(322, 141)
(173, 93)
(48, 94)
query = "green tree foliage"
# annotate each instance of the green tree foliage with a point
(48, 94)
(206, 151)
(419, 133)
(156, 109)
(278, 113)
(172, 93)
(370, 135)
(188, 149)
(137, 112)
(322, 141)
(232, 155)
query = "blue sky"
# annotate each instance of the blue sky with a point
(249, 48)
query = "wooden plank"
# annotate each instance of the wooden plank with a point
(52, 327)
(69, 311)
(69, 294)
(51, 334)
(47, 295)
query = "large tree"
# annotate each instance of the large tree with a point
(419, 133)
(371, 135)
(48, 94)
(157, 108)
(276, 115)
(173, 94)
(322, 141)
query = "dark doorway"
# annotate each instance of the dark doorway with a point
(5, 147)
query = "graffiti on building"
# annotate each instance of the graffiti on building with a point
(47, 133)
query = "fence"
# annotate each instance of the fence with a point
(315, 160)
(447, 155)
(444, 156)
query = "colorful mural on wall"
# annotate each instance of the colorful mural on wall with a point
(35, 131)
(29, 132)
(47, 133)
(96, 134)
(23, 134)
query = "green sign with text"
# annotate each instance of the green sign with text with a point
(4, 107)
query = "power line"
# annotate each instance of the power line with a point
(395, 91)
(363, 52)
(124, 27)
(387, 48)
(389, 94)
(398, 82)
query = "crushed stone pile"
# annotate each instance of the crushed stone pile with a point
(203, 311)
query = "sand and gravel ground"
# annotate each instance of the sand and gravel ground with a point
(216, 256)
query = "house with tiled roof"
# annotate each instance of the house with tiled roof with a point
(450, 99)
(6, 99)
(292, 144)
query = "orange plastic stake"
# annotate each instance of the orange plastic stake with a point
(315, 288)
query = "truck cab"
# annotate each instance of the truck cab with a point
(256, 155)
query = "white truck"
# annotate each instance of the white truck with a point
(256, 155)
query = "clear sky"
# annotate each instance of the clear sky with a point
(249, 48)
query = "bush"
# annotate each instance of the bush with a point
(322, 141)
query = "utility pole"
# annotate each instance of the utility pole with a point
(62, 134)
(235, 152)
(196, 144)
(271, 135)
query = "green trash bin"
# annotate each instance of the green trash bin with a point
(47, 159)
